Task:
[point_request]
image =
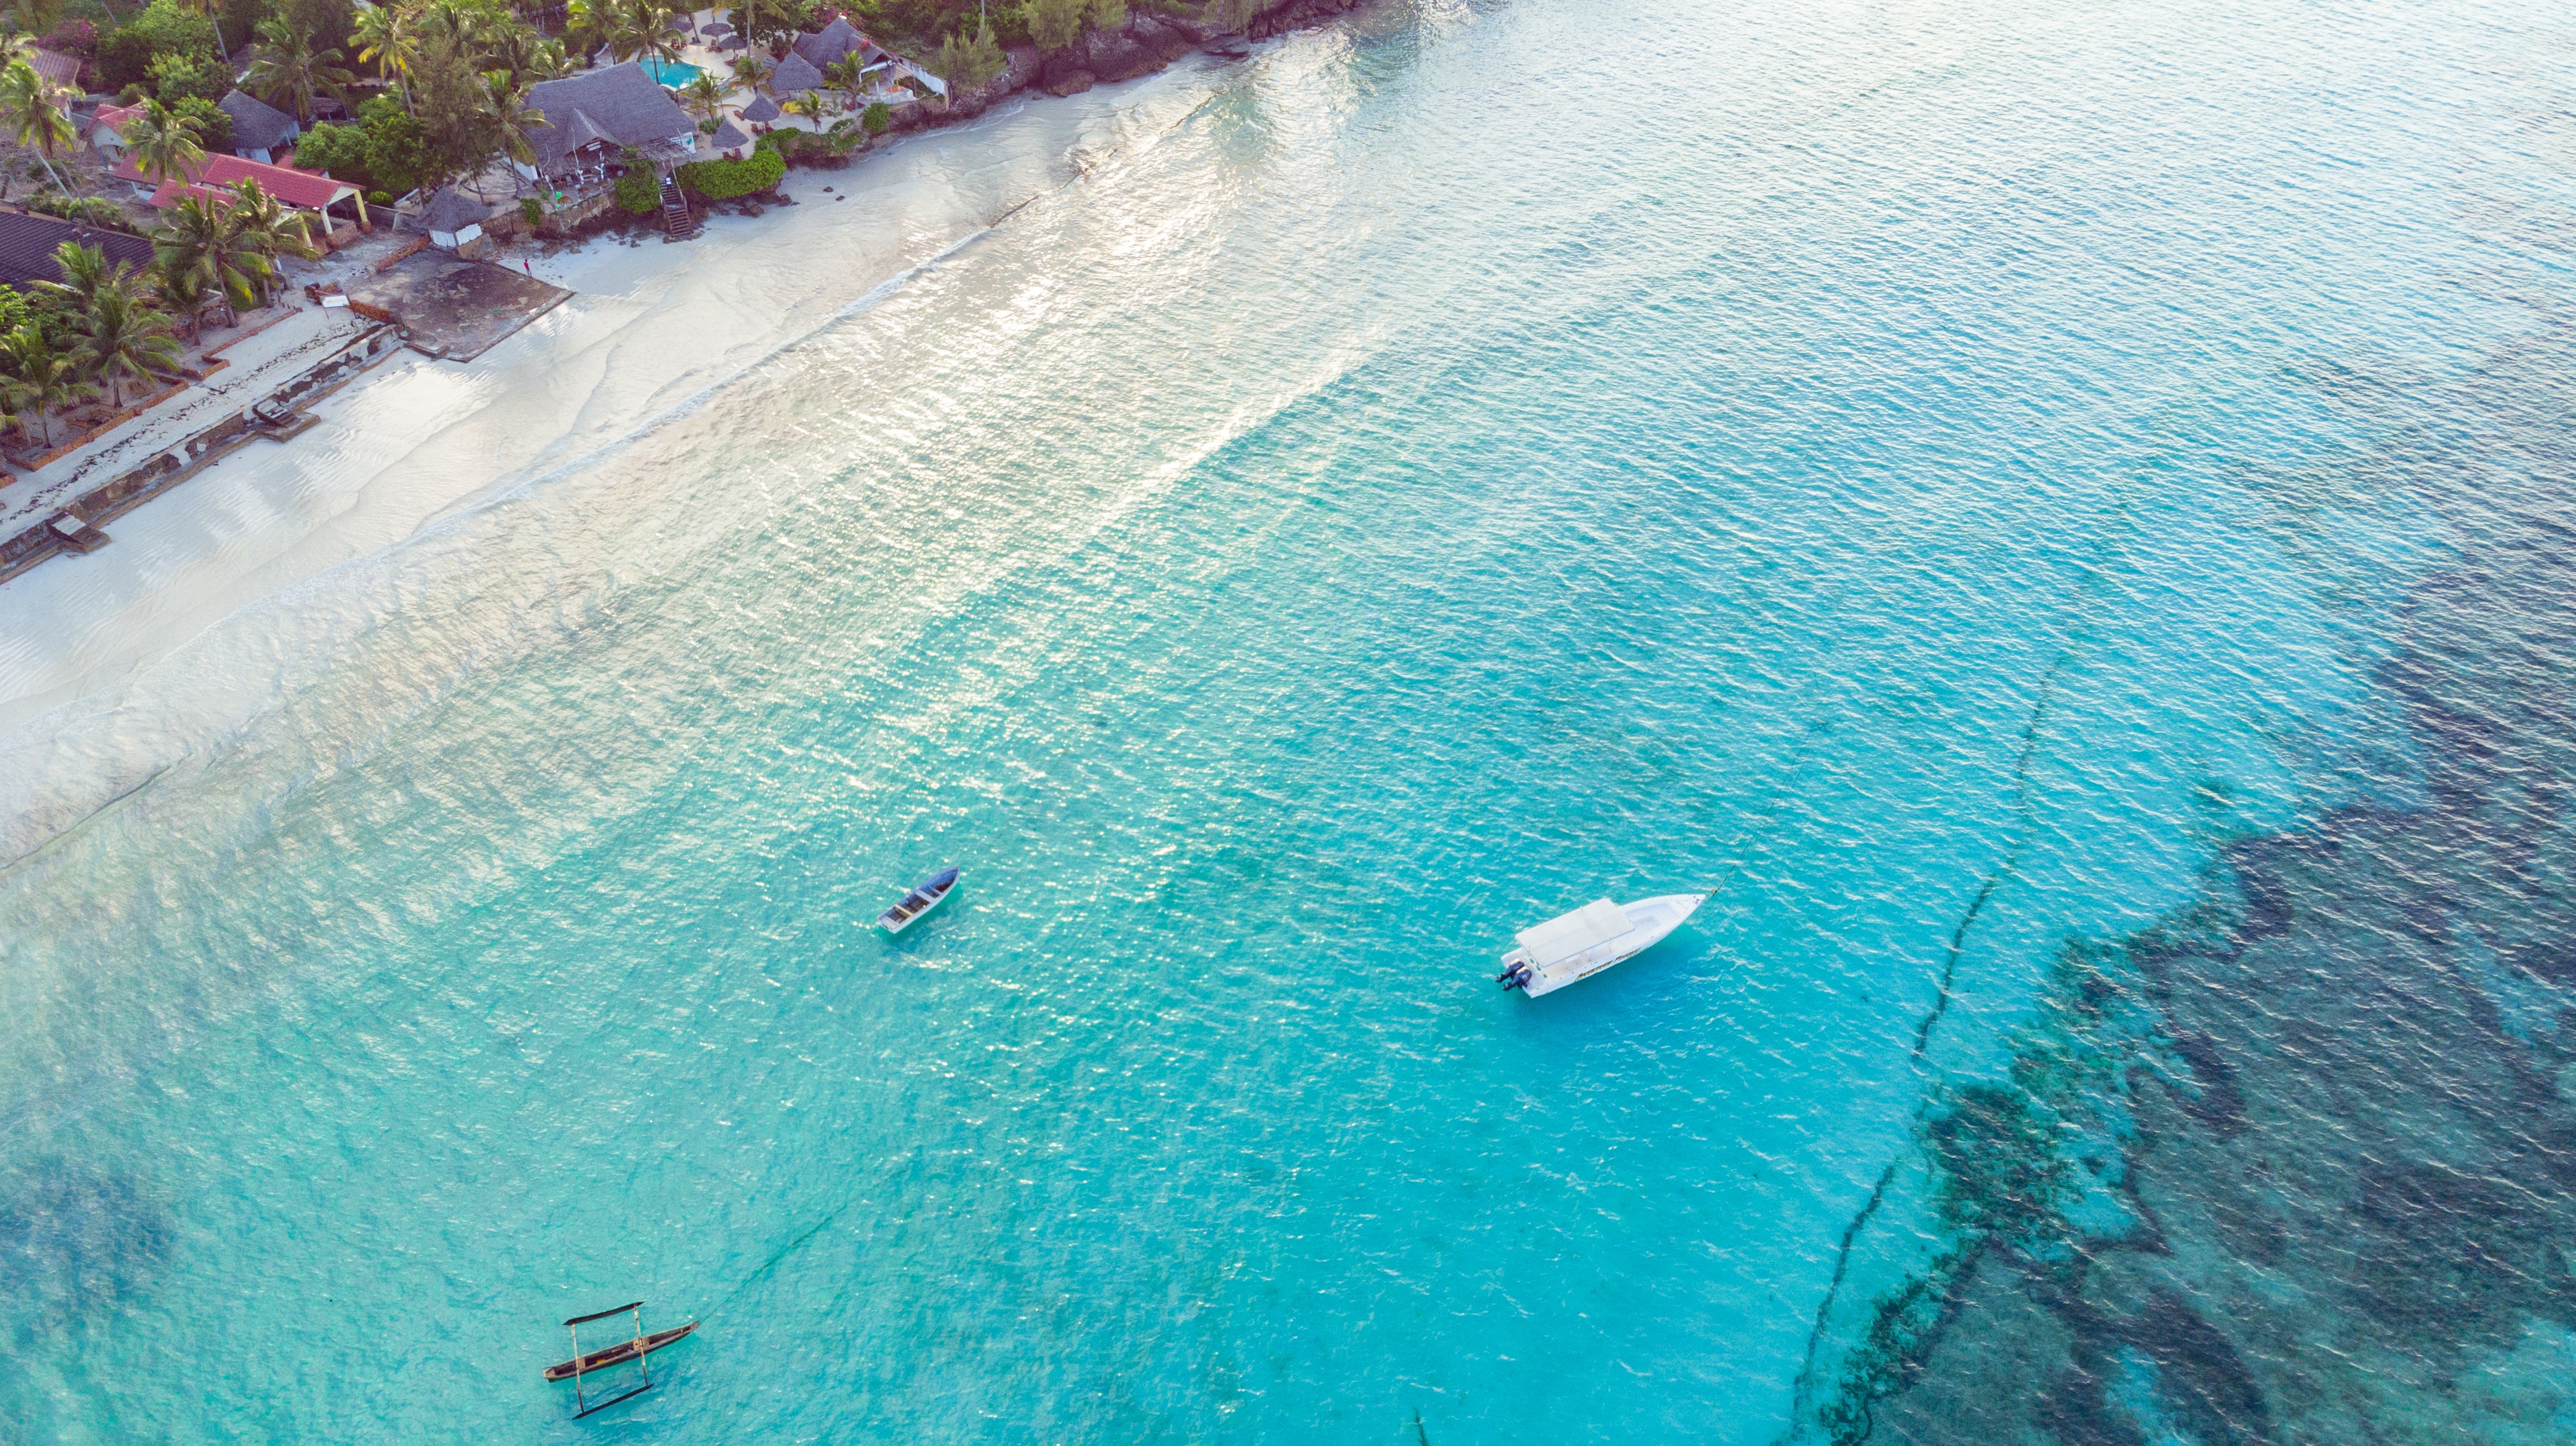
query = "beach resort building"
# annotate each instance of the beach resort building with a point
(794, 76)
(335, 210)
(593, 118)
(60, 72)
(455, 220)
(821, 49)
(106, 130)
(260, 130)
(27, 245)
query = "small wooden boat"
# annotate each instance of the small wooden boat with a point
(1579, 945)
(929, 894)
(618, 1354)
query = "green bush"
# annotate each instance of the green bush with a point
(397, 147)
(639, 192)
(123, 57)
(529, 209)
(177, 79)
(14, 311)
(876, 118)
(214, 128)
(967, 63)
(163, 29)
(1053, 24)
(724, 180)
(339, 151)
(90, 210)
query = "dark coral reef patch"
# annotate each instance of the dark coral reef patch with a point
(2339, 1094)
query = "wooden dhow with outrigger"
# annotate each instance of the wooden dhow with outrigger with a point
(634, 1348)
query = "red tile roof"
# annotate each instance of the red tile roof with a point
(59, 70)
(114, 116)
(289, 185)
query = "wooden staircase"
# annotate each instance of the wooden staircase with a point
(678, 224)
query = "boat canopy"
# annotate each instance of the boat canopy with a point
(1562, 938)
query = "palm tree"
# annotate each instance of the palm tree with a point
(653, 23)
(545, 60)
(203, 238)
(505, 106)
(387, 40)
(85, 272)
(761, 19)
(808, 105)
(587, 23)
(181, 292)
(121, 336)
(526, 55)
(286, 69)
(705, 95)
(846, 135)
(843, 75)
(273, 229)
(202, 243)
(471, 27)
(31, 107)
(627, 27)
(749, 69)
(165, 146)
(46, 378)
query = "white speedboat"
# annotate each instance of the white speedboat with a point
(1591, 939)
(929, 894)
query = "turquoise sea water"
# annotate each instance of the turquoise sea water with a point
(1954, 481)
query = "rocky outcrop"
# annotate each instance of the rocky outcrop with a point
(1147, 43)
(1021, 68)
(1167, 36)
(1295, 15)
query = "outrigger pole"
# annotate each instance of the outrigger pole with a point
(583, 1408)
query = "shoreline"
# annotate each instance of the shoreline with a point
(1149, 44)
(95, 649)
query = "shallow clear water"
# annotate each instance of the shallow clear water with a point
(1894, 468)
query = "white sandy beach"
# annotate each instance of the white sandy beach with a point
(106, 671)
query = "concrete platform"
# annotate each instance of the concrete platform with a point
(453, 308)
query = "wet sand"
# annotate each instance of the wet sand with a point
(89, 705)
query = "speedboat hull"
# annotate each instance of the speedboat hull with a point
(1579, 945)
(929, 894)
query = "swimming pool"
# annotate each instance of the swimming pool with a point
(672, 73)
